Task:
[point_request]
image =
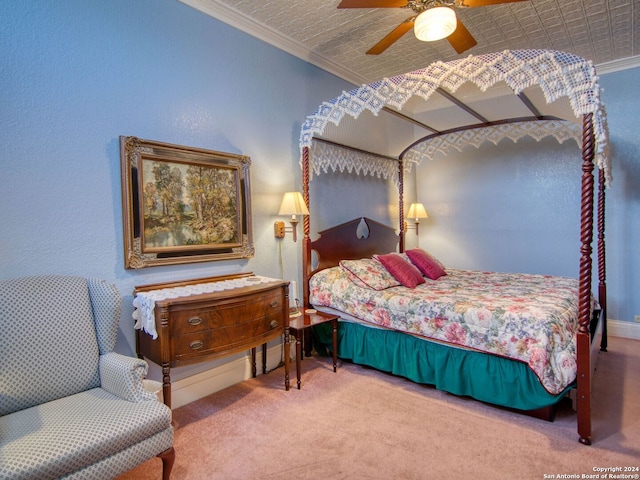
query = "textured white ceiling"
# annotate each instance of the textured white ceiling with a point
(602, 31)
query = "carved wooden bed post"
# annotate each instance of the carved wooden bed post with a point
(584, 295)
(306, 240)
(602, 265)
(401, 204)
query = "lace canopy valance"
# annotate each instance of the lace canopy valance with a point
(557, 74)
(337, 158)
(560, 130)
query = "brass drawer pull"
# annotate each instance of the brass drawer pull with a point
(273, 304)
(274, 323)
(196, 345)
(194, 321)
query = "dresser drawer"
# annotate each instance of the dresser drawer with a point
(199, 318)
(227, 338)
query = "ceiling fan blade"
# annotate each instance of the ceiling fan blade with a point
(482, 3)
(373, 3)
(391, 38)
(461, 39)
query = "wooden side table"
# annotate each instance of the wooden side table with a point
(297, 327)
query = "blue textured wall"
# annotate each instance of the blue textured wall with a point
(623, 200)
(77, 74)
(516, 207)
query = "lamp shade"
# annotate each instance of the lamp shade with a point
(435, 23)
(416, 210)
(293, 204)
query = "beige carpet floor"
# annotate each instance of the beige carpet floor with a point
(360, 424)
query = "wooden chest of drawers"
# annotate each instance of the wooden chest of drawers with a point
(205, 326)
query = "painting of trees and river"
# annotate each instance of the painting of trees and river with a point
(188, 205)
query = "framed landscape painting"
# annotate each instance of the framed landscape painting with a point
(182, 204)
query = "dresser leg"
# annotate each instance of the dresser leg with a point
(264, 358)
(166, 385)
(254, 371)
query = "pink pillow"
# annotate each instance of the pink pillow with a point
(401, 270)
(426, 263)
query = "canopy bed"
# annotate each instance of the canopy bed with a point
(467, 346)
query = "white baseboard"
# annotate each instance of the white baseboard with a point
(197, 386)
(618, 328)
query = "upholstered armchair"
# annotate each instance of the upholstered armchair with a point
(71, 407)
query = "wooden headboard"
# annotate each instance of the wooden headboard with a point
(355, 239)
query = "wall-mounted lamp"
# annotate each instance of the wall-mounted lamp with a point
(292, 204)
(417, 211)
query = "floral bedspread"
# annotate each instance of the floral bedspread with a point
(531, 318)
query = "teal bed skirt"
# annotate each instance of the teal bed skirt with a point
(487, 378)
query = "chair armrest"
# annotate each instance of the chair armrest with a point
(122, 376)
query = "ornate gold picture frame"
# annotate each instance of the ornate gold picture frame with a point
(183, 204)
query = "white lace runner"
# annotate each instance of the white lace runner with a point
(144, 303)
(558, 74)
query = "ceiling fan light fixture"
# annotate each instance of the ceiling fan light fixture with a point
(435, 23)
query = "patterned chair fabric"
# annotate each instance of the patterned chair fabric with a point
(71, 407)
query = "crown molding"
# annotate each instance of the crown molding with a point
(618, 65)
(233, 17)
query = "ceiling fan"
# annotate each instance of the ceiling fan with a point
(433, 20)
